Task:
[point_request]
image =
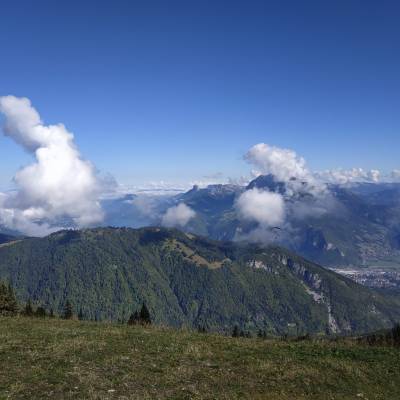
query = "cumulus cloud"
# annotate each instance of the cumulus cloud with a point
(263, 207)
(177, 216)
(58, 184)
(286, 166)
(291, 177)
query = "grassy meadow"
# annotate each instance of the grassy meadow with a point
(58, 359)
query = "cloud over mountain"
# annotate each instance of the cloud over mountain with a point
(285, 166)
(177, 216)
(285, 190)
(266, 208)
(58, 184)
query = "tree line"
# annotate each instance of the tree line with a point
(9, 307)
(389, 337)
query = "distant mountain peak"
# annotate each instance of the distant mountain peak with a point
(267, 182)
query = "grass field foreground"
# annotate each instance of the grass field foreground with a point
(57, 359)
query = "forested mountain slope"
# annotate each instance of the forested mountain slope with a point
(189, 281)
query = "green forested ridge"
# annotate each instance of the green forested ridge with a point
(185, 280)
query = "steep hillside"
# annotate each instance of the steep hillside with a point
(190, 281)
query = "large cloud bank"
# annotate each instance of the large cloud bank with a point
(58, 184)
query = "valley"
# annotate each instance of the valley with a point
(374, 277)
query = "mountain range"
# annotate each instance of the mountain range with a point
(358, 226)
(361, 227)
(191, 281)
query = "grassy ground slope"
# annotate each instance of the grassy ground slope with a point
(58, 359)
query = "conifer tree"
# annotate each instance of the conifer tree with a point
(144, 315)
(40, 312)
(28, 311)
(68, 312)
(80, 315)
(235, 332)
(136, 317)
(8, 302)
(132, 319)
(202, 329)
(12, 301)
(396, 334)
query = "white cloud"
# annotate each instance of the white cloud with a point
(177, 216)
(343, 176)
(288, 167)
(58, 184)
(265, 208)
(17, 220)
(284, 164)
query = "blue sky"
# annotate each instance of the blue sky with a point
(178, 90)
